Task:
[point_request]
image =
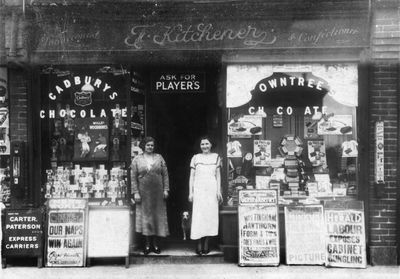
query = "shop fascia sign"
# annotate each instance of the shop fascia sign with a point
(285, 80)
(200, 35)
(85, 88)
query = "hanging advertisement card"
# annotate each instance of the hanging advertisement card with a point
(258, 228)
(91, 139)
(350, 148)
(246, 125)
(262, 153)
(304, 232)
(336, 125)
(317, 153)
(234, 149)
(23, 233)
(345, 234)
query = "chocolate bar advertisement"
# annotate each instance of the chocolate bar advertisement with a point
(91, 139)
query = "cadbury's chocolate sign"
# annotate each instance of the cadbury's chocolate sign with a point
(79, 93)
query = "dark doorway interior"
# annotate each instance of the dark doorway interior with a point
(177, 121)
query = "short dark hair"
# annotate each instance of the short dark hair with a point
(206, 137)
(144, 141)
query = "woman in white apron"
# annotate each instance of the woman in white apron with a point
(205, 193)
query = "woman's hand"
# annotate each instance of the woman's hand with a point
(166, 195)
(219, 197)
(190, 198)
(137, 197)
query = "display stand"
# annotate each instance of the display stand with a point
(23, 235)
(109, 232)
(258, 228)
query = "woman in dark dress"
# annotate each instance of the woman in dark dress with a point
(150, 187)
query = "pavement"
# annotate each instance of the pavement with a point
(193, 271)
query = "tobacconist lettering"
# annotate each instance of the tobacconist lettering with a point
(202, 32)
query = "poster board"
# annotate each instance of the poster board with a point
(304, 233)
(23, 233)
(108, 232)
(91, 139)
(258, 228)
(66, 233)
(345, 234)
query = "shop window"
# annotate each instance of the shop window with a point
(86, 139)
(292, 128)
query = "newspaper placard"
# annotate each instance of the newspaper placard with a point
(345, 234)
(66, 233)
(304, 232)
(108, 232)
(258, 228)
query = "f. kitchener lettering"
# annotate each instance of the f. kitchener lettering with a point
(202, 32)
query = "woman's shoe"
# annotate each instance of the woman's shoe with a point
(205, 251)
(156, 250)
(199, 251)
(146, 250)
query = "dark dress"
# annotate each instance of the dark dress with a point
(150, 183)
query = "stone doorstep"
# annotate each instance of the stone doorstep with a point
(173, 255)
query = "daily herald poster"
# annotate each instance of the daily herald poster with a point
(345, 234)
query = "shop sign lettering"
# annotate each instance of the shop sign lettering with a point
(196, 33)
(23, 232)
(84, 90)
(289, 110)
(83, 86)
(345, 243)
(178, 82)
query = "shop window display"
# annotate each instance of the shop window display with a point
(86, 136)
(292, 128)
(5, 181)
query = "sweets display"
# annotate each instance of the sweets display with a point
(86, 182)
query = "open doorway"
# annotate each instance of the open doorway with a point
(177, 120)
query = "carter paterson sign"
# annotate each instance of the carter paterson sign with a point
(67, 35)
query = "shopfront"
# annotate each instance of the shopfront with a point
(285, 100)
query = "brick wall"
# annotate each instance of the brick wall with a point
(384, 106)
(18, 105)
